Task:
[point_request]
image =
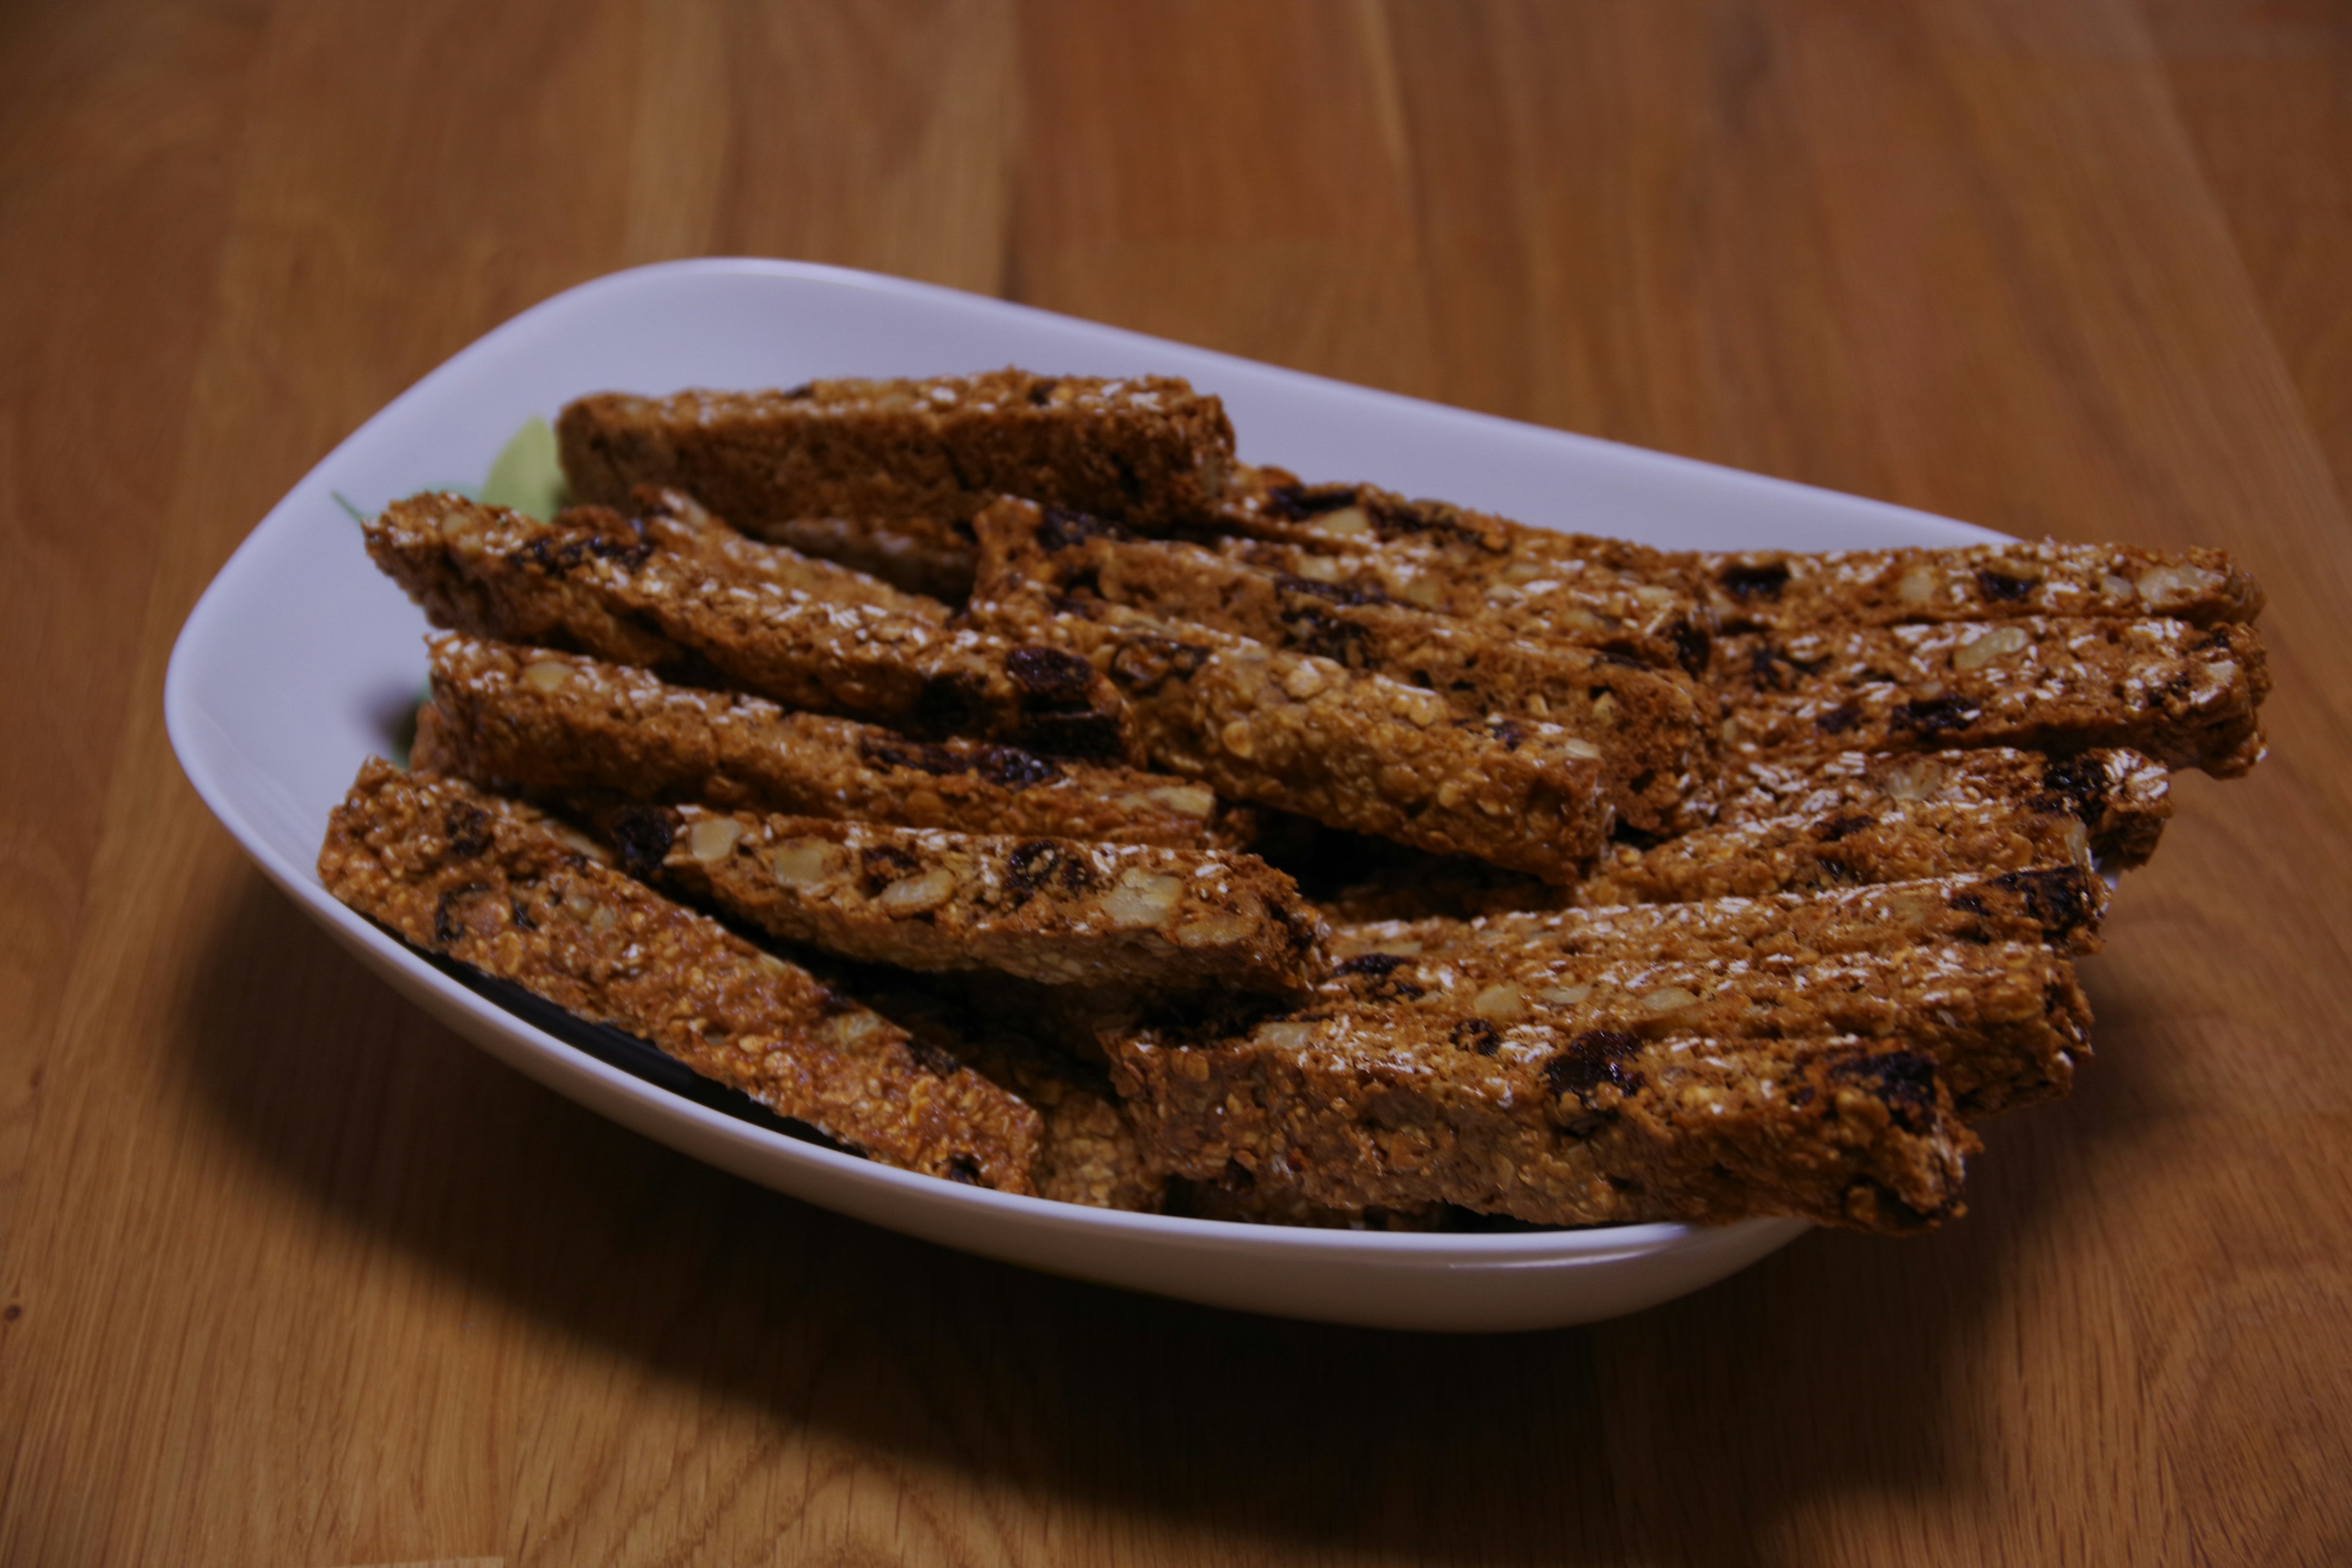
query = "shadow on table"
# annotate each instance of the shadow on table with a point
(1691, 1430)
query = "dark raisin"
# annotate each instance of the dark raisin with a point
(805, 390)
(1010, 767)
(641, 838)
(2000, 585)
(446, 929)
(1331, 593)
(521, 915)
(2056, 897)
(1237, 1177)
(1372, 963)
(466, 826)
(1753, 582)
(938, 1063)
(883, 864)
(949, 704)
(1692, 645)
(1041, 392)
(1510, 732)
(963, 1168)
(2083, 780)
(1050, 680)
(1904, 1081)
(1830, 830)
(1476, 1034)
(1934, 715)
(1838, 720)
(1315, 630)
(1591, 1060)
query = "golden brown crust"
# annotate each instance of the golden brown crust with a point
(548, 722)
(1841, 848)
(2003, 1020)
(459, 873)
(1357, 1112)
(2186, 696)
(1654, 728)
(2122, 798)
(1057, 910)
(884, 474)
(1781, 590)
(1307, 735)
(2061, 905)
(673, 598)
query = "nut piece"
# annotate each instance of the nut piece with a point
(918, 894)
(1667, 998)
(546, 674)
(2001, 641)
(1141, 899)
(1501, 1003)
(713, 839)
(801, 862)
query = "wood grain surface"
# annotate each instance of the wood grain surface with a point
(290, 1275)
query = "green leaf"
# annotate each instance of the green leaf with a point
(528, 475)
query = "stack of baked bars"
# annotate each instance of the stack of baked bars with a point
(994, 777)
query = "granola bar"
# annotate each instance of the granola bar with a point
(887, 474)
(2059, 906)
(591, 580)
(2003, 1020)
(2186, 696)
(459, 873)
(1360, 1108)
(1779, 590)
(2121, 797)
(1839, 848)
(1058, 911)
(1653, 728)
(1086, 1149)
(1455, 551)
(1354, 751)
(545, 721)
(1434, 556)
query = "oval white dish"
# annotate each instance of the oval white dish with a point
(300, 660)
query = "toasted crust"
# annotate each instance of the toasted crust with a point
(2061, 905)
(2003, 1020)
(2186, 696)
(1653, 728)
(2122, 798)
(1358, 751)
(1057, 910)
(1359, 1110)
(547, 722)
(1840, 848)
(884, 474)
(460, 873)
(1780, 590)
(1459, 554)
(687, 605)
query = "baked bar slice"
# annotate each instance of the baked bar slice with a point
(1434, 556)
(2183, 695)
(1359, 1108)
(1086, 1149)
(1356, 751)
(886, 475)
(2059, 906)
(1654, 728)
(1057, 910)
(1778, 590)
(545, 723)
(2004, 1021)
(593, 581)
(1455, 552)
(484, 882)
(2122, 798)
(1841, 847)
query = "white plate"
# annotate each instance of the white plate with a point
(300, 660)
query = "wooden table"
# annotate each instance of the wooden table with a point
(289, 1276)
